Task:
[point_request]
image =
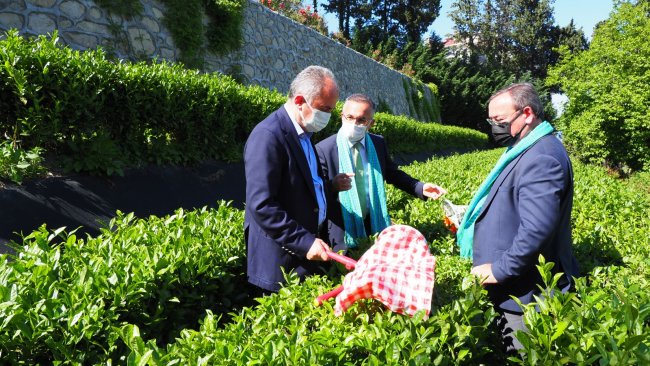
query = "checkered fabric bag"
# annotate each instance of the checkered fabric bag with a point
(397, 270)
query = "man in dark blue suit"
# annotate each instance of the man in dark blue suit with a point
(285, 195)
(372, 154)
(523, 209)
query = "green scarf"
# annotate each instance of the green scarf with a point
(350, 206)
(465, 234)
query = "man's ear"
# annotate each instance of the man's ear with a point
(298, 100)
(372, 123)
(528, 113)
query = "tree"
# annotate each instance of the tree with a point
(607, 119)
(518, 35)
(415, 16)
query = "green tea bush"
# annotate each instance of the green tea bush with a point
(605, 321)
(126, 295)
(17, 164)
(64, 299)
(286, 328)
(101, 116)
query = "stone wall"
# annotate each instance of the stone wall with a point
(275, 48)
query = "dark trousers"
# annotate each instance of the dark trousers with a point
(508, 324)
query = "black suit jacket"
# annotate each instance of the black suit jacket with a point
(328, 156)
(281, 217)
(527, 213)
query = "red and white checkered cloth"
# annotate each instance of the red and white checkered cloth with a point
(397, 270)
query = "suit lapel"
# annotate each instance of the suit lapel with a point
(498, 182)
(291, 136)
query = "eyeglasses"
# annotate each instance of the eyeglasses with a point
(361, 121)
(499, 123)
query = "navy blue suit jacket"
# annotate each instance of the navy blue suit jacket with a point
(328, 156)
(527, 213)
(281, 217)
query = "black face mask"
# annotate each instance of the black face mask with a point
(502, 136)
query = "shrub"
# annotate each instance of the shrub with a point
(64, 297)
(607, 118)
(101, 117)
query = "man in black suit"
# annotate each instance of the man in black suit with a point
(285, 194)
(364, 165)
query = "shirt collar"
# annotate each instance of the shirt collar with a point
(299, 129)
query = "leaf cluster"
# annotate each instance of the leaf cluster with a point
(100, 117)
(64, 298)
(607, 118)
(138, 292)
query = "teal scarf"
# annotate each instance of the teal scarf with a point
(350, 206)
(465, 234)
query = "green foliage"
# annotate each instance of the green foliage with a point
(516, 35)
(607, 118)
(138, 291)
(423, 103)
(184, 20)
(568, 328)
(224, 33)
(293, 9)
(287, 329)
(124, 8)
(64, 298)
(405, 135)
(17, 164)
(101, 116)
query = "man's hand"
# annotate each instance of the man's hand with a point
(433, 191)
(318, 251)
(484, 273)
(342, 181)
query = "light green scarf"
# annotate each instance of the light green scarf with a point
(465, 234)
(350, 206)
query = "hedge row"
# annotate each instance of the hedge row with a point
(606, 321)
(101, 115)
(64, 298)
(137, 292)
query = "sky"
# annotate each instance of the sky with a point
(585, 14)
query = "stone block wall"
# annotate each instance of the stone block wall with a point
(275, 48)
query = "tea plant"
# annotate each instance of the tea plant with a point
(17, 164)
(64, 298)
(101, 117)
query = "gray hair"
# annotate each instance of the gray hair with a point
(309, 82)
(361, 98)
(523, 95)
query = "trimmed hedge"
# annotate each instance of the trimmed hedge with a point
(102, 116)
(64, 298)
(137, 292)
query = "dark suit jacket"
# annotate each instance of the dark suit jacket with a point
(281, 217)
(527, 213)
(328, 156)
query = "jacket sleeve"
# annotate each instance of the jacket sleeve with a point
(264, 177)
(540, 191)
(397, 177)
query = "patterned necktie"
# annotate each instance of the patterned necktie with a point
(360, 177)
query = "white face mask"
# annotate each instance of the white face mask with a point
(353, 132)
(318, 121)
